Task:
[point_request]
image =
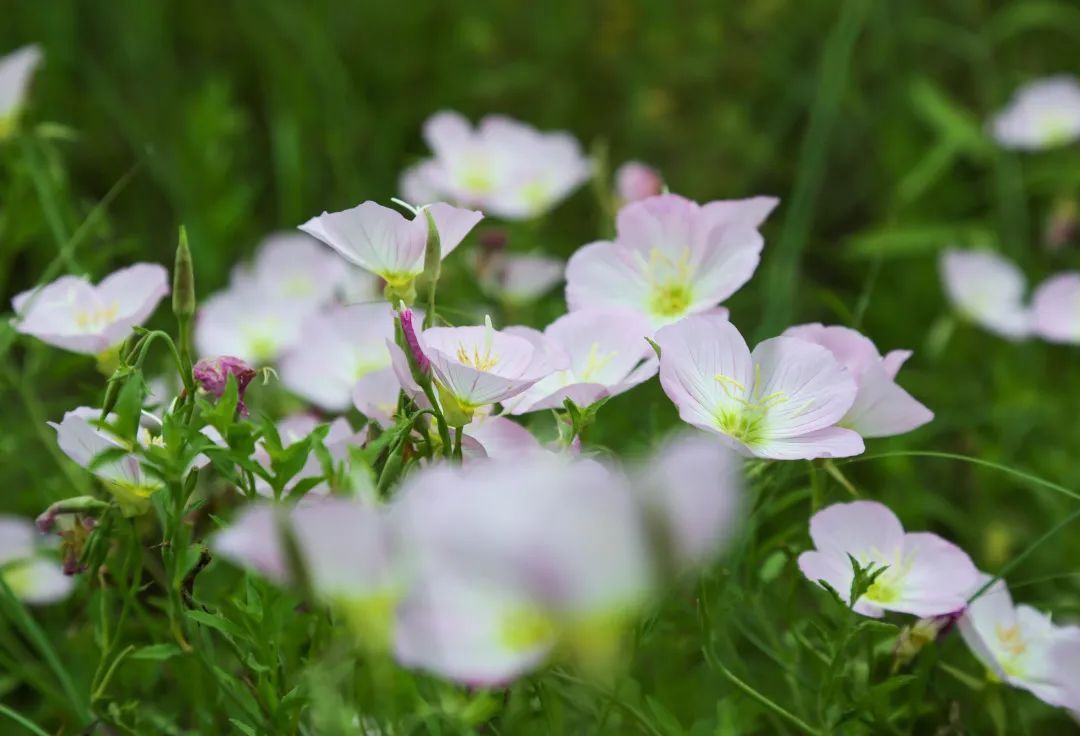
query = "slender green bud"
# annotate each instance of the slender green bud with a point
(432, 265)
(183, 297)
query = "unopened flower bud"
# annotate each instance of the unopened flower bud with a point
(412, 341)
(212, 375)
(183, 296)
(635, 180)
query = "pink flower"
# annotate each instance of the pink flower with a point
(881, 407)
(32, 576)
(1042, 114)
(782, 401)
(384, 242)
(1065, 671)
(504, 167)
(249, 323)
(73, 314)
(607, 354)
(481, 365)
(293, 268)
(16, 69)
(375, 395)
(1016, 643)
(519, 279)
(1055, 308)
(635, 180)
(672, 257)
(988, 290)
(502, 438)
(337, 348)
(924, 574)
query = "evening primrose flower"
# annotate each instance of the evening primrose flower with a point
(1055, 308)
(671, 257)
(248, 323)
(513, 558)
(1016, 643)
(522, 278)
(607, 356)
(924, 574)
(1042, 114)
(476, 366)
(375, 395)
(506, 168)
(1065, 671)
(293, 268)
(386, 243)
(16, 70)
(31, 575)
(881, 407)
(337, 348)
(988, 290)
(635, 180)
(73, 314)
(782, 401)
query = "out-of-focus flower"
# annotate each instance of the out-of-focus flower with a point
(692, 489)
(375, 395)
(607, 354)
(16, 69)
(671, 257)
(513, 558)
(346, 548)
(881, 407)
(295, 269)
(337, 348)
(502, 438)
(297, 428)
(73, 314)
(1042, 114)
(1015, 643)
(476, 366)
(1055, 308)
(212, 375)
(635, 180)
(924, 574)
(782, 401)
(506, 168)
(522, 278)
(387, 244)
(31, 575)
(1065, 671)
(245, 322)
(988, 290)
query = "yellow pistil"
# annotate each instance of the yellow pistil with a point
(595, 362)
(670, 293)
(526, 629)
(89, 319)
(745, 421)
(18, 576)
(481, 357)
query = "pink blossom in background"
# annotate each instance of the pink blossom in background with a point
(608, 354)
(1055, 309)
(671, 257)
(26, 568)
(1042, 114)
(375, 395)
(881, 407)
(73, 314)
(987, 289)
(635, 180)
(504, 167)
(336, 348)
(16, 71)
(523, 278)
(924, 576)
(782, 401)
(1016, 642)
(385, 242)
(248, 323)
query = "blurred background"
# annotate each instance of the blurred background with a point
(240, 118)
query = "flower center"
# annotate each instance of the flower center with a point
(669, 300)
(298, 286)
(744, 418)
(670, 280)
(91, 319)
(595, 362)
(482, 357)
(19, 577)
(1053, 129)
(525, 629)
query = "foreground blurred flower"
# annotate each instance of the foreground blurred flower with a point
(1015, 643)
(336, 349)
(522, 278)
(387, 244)
(607, 356)
(476, 366)
(506, 168)
(502, 438)
(881, 407)
(1065, 670)
(635, 180)
(1042, 114)
(73, 314)
(512, 558)
(672, 257)
(781, 402)
(293, 268)
(16, 69)
(1055, 308)
(31, 576)
(247, 322)
(924, 574)
(346, 553)
(212, 375)
(986, 289)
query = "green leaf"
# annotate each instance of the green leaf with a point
(209, 620)
(156, 652)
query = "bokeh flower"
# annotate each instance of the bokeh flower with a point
(73, 314)
(607, 355)
(924, 574)
(782, 401)
(988, 290)
(881, 407)
(1065, 671)
(521, 278)
(671, 257)
(506, 168)
(635, 180)
(16, 70)
(1055, 308)
(248, 323)
(26, 570)
(294, 268)
(1042, 114)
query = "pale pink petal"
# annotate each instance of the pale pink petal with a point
(375, 396)
(1056, 308)
(894, 360)
(502, 438)
(16, 70)
(987, 289)
(1042, 114)
(635, 180)
(602, 275)
(940, 576)
(18, 538)
(452, 223)
(851, 349)
(374, 237)
(828, 442)
(422, 183)
(834, 569)
(730, 257)
(882, 408)
(39, 581)
(858, 528)
(749, 212)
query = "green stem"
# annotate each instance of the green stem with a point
(22, 721)
(440, 420)
(762, 699)
(458, 431)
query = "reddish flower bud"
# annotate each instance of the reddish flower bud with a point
(212, 374)
(413, 341)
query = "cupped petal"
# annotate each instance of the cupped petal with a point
(1056, 308)
(503, 438)
(882, 408)
(851, 349)
(373, 237)
(938, 577)
(830, 567)
(750, 212)
(863, 529)
(828, 442)
(728, 260)
(452, 224)
(134, 292)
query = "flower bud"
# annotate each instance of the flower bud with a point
(183, 296)
(212, 375)
(412, 342)
(635, 180)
